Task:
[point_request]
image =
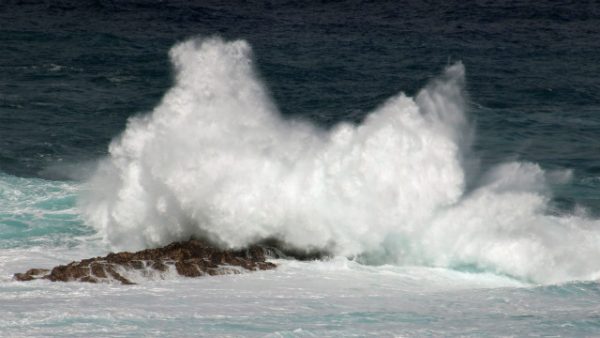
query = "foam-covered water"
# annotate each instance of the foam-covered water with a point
(37, 212)
(338, 298)
(215, 159)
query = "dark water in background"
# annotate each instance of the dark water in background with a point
(72, 72)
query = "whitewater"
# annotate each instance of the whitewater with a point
(419, 239)
(216, 160)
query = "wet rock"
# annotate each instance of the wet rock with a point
(192, 258)
(31, 274)
(189, 268)
(98, 270)
(159, 266)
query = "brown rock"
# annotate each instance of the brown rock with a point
(192, 258)
(159, 265)
(118, 277)
(31, 274)
(98, 270)
(137, 264)
(188, 268)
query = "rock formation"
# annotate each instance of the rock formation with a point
(192, 258)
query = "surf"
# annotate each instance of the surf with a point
(216, 160)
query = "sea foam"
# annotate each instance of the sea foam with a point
(215, 159)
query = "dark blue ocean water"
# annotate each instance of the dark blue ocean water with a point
(72, 72)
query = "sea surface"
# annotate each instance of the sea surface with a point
(444, 155)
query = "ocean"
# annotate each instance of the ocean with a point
(443, 157)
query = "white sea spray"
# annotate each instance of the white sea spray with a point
(215, 159)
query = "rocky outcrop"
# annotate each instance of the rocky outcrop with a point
(191, 259)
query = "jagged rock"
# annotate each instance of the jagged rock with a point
(192, 258)
(31, 274)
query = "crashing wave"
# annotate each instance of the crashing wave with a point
(216, 160)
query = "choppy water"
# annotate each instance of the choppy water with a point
(473, 207)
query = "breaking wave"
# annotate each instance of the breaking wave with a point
(215, 159)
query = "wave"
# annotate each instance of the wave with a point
(216, 160)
